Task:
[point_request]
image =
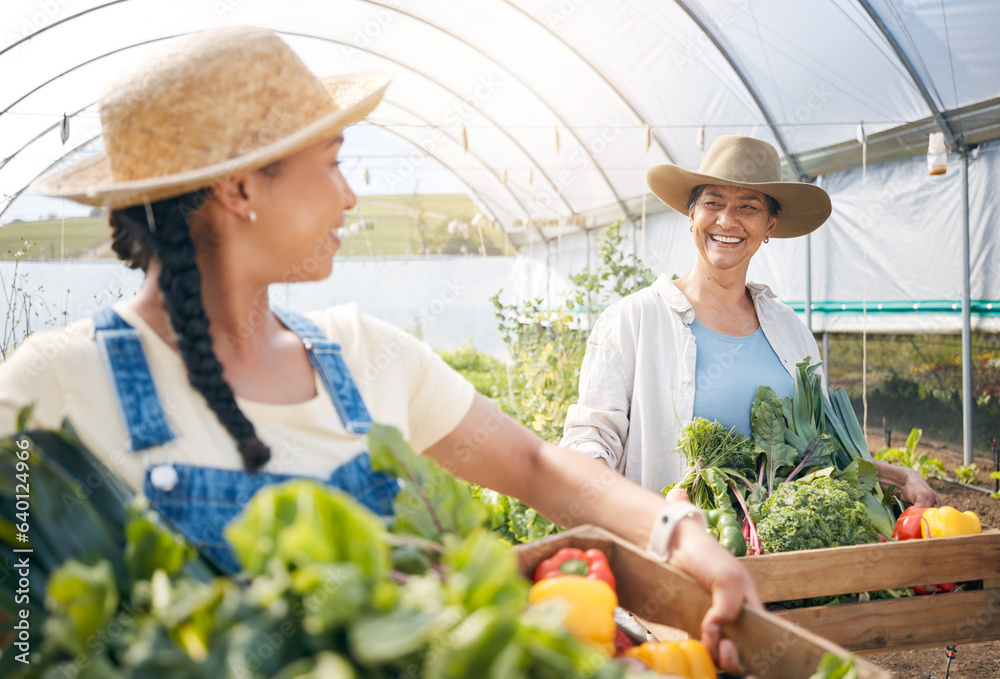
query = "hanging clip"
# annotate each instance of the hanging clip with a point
(700, 138)
(64, 129)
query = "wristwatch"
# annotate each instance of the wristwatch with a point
(666, 523)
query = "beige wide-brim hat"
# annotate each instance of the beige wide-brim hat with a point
(211, 105)
(752, 163)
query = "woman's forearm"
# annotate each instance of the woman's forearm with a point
(572, 489)
(889, 474)
(491, 449)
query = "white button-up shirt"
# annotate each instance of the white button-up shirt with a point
(638, 378)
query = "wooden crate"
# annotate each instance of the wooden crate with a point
(771, 647)
(931, 621)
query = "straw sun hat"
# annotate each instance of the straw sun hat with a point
(751, 163)
(212, 105)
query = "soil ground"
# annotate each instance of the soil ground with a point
(972, 661)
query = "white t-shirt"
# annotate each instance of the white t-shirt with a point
(402, 381)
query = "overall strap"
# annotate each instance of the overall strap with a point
(125, 360)
(326, 359)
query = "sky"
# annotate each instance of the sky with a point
(364, 147)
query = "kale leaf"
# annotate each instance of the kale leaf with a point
(812, 514)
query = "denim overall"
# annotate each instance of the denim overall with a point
(201, 501)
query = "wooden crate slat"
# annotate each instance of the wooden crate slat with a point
(905, 624)
(770, 647)
(865, 568)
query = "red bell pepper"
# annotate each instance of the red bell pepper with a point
(571, 561)
(908, 528)
(943, 588)
(622, 643)
(908, 524)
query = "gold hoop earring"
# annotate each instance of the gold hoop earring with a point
(253, 217)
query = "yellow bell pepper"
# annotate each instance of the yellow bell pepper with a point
(685, 659)
(947, 521)
(591, 616)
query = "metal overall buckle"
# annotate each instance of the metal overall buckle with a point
(163, 476)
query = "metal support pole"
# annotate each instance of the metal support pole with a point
(635, 240)
(809, 273)
(548, 276)
(809, 277)
(826, 359)
(590, 302)
(966, 315)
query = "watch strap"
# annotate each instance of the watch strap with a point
(666, 523)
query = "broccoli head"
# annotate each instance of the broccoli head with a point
(813, 514)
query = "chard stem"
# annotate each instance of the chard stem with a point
(413, 541)
(398, 576)
(753, 543)
(809, 453)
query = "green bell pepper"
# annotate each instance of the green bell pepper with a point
(723, 522)
(725, 526)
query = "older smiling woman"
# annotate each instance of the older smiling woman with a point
(701, 345)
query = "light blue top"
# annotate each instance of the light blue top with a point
(728, 372)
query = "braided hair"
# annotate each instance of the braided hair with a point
(162, 230)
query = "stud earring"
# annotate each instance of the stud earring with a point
(253, 217)
(766, 240)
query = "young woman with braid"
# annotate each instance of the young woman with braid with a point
(220, 167)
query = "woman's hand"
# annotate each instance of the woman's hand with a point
(915, 490)
(910, 485)
(700, 555)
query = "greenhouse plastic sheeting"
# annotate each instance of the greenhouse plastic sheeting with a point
(564, 103)
(549, 112)
(894, 238)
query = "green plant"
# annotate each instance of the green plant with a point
(20, 299)
(486, 373)
(908, 456)
(995, 475)
(326, 589)
(967, 473)
(513, 520)
(547, 343)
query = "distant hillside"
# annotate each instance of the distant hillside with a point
(401, 225)
(85, 237)
(418, 224)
